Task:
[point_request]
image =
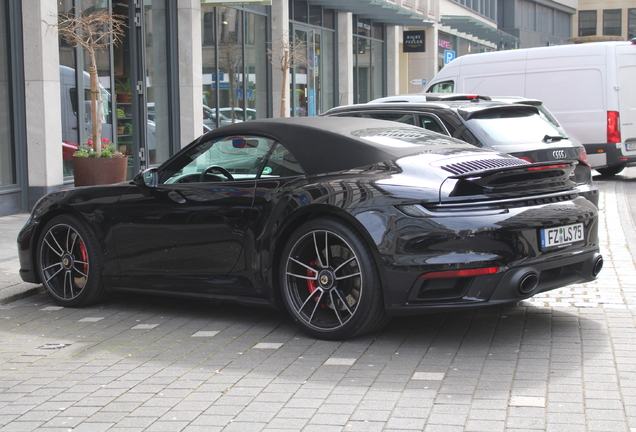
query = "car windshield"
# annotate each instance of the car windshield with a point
(512, 126)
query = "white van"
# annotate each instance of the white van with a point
(69, 96)
(590, 88)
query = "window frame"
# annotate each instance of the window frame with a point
(587, 17)
(607, 17)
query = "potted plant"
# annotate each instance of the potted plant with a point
(123, 90)
(92, 168)
(93, 32)
(120, 126)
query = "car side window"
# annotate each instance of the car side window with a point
(432, 124)
(224, 159)
(402, 118)
(442, 87)
(281, 163)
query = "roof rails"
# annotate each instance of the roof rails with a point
(428, 97)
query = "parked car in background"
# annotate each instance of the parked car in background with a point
(589, 87)
(238, 113)
(517, 129)
(344, 222)
(210, 118)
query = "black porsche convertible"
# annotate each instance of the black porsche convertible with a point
(344, 222)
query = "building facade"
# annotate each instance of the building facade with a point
(605, 18)
(187, 66)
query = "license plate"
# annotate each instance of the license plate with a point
(631, 146)
(561, 236)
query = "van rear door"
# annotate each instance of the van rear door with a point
(626, 65)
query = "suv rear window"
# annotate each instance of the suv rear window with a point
(511, 126)
(402, 118)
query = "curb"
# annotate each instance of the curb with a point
(23, 294)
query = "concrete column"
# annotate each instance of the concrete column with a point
(190, 69)
(393, 38)
(280, 37)
(42, 94)
(424, 65)
(345, 58)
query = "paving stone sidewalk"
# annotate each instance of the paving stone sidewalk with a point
(561, 361)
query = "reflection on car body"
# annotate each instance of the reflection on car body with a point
(343, 222)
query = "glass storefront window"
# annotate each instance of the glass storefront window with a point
(235, 82)
(377, 69)
(76, 105)
(313, 82)
(230, 62)
(7, 151)
(103, 73)
(327, 75)
(68, 95)
(256, 61)
(369, 60)
(157, 84)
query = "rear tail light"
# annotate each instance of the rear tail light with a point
(613, 128)
(526, 158)
(583, 158)
(547, 167)
(459, 273)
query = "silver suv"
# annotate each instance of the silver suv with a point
(523, 130)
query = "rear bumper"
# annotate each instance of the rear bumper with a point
(513, 284)
(606, 155)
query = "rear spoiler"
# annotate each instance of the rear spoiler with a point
(513, 182)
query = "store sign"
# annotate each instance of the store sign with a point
(414, 41)
(237, 2)
(445, 44)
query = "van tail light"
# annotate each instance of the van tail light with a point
(613, 129)
(583, 158)
(526, 158)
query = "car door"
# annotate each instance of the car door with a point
(187, 233)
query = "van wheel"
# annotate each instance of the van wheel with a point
(610, 171)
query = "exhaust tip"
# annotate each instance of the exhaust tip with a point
(528, 282)
(598, 266)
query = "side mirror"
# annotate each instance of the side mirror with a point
(147, 178)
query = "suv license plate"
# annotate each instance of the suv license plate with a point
(630, 146)
(560, 236)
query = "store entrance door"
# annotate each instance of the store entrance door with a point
(306, 96)
(146, 127)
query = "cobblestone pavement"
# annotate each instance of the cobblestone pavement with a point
(561, 361)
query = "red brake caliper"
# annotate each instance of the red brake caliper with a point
(84, 255)
(312, 284)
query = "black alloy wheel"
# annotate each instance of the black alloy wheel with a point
(69, 263)
(331, 285)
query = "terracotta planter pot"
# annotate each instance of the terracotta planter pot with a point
(99, 171)
(124, 97)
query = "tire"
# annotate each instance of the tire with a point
(610, 171)
(334, 296)
(69, 262)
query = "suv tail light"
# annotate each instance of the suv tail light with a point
(613, 129)
(583, 158)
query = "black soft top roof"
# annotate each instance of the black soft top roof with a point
(331, 144)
